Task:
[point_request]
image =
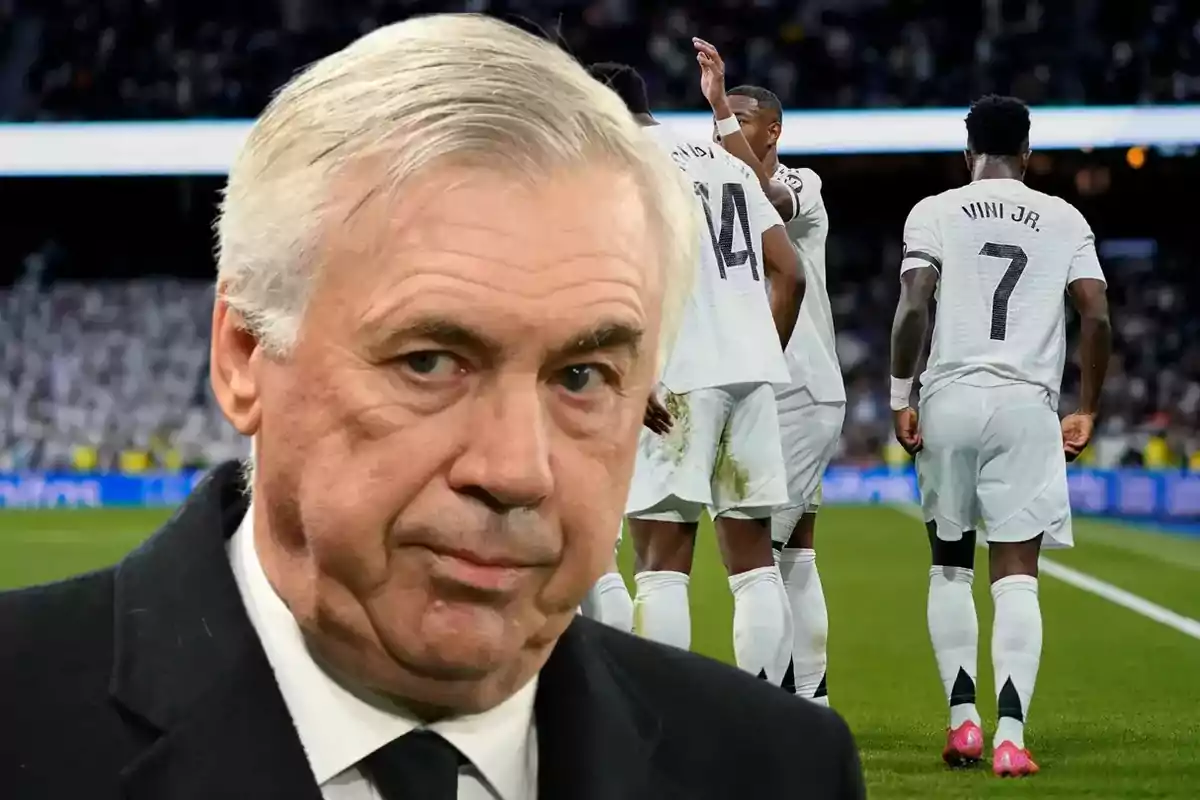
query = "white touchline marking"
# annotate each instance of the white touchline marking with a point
(1114, 594)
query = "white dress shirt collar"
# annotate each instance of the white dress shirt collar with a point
(339, 728)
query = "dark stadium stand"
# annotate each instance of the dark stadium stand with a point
(133, 59)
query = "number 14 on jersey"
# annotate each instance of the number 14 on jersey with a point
(733, 215)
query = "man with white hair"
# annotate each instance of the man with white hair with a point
(444, 407)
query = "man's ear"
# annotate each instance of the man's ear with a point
(235, 368)
(774, 131)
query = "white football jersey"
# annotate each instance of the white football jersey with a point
(812, 351)
(1005, 254)
(727, 335)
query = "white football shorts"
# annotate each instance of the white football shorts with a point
(722, 453)
(810, 432)
(993, 459)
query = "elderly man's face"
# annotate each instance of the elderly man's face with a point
(444, 458)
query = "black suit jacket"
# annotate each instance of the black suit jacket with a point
(146, 681)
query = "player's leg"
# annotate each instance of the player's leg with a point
(669, 491)
(1016, 647)
(609, 601)
(1025, 505)
(748, 483)
(810, 433)
(806, 602)
(954, 633)
(947, 471)
(762, 630)
(667, 537)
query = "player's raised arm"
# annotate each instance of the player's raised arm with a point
(729, 131)
(1088, 291)
(919, 266)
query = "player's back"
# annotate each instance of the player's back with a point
(727, 335)
(1005, 254)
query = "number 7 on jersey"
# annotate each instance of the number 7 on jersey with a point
(1016, 265)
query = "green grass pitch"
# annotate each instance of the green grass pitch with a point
(1117, 708)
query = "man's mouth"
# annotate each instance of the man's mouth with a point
(492, 574)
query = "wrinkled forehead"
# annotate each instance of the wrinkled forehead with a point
(522, 253)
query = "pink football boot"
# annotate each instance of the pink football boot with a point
(964, 745)
(1010, 761)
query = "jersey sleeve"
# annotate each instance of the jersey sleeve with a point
(804, 185)
(1084, 261)
(922, 240)
(762, 213)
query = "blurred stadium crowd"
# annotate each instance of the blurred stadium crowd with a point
(98, 373)
(114, 375)
(108, 376)
(135, 59)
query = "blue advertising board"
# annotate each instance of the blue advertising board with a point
(70, 490)
(1161, 496)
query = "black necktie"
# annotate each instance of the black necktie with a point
(420, 765)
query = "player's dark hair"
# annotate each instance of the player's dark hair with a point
(765, 97)
(998, 126)
(625, 81)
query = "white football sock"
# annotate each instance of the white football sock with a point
(660, 610)
(954, 632)
(762, 631)
(1016, 653)
(785, 644)
(810, 621)
(609, 602)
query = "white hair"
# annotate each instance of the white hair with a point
(408, 96)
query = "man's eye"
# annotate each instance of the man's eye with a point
(580, 378)
(431, 363)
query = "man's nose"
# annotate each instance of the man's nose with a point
(506, 462)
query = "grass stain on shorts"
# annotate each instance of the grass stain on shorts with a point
(727, 472)
(676, 440)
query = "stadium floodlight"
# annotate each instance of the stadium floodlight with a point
(206, 147)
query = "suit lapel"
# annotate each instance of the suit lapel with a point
(238, 742)
(188, 664)
(596, 736)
